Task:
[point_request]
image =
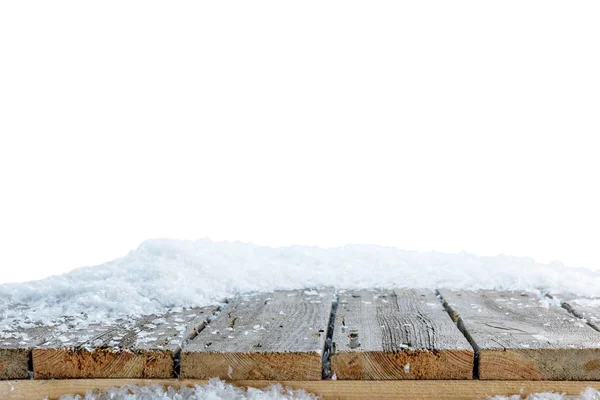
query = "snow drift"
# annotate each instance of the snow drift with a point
(161, 274)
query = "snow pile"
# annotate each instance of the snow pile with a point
(214, 390)
(162, 274)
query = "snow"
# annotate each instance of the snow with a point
(588, 394)
(586, 302)
(163, 274)
(215, 389)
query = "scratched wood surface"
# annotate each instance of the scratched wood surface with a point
(526, 337)
(397, 334)
(279, 335)
(19, 337)
(15, 350)
(587, 309)
(142, 348)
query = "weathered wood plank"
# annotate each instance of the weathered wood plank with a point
(587, 309)
(341, 390)
(397, 334)
(143, 348)
(520, 336)
(18, 338)
(15, 350)
(279, 335)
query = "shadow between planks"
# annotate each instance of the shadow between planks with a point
(343, 390)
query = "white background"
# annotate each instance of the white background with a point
(428, 125)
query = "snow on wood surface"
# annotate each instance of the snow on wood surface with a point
(142, 348)
(161, 274)
(278, 335)
(520, 336)
(164, 276)
(397, 334)
(377, 334)
(585, 308)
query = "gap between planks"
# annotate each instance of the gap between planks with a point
(343, 390)
(587, 314)
(157, 357)
(397, 334)
(279, 335)
(454, 314)
(519, 338)
(97, 371)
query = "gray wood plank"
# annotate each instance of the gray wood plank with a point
(587, 309)
(19, 338)
(15, 350)
(522, 336)
(397, 334)
(141, 348)
(278, 336)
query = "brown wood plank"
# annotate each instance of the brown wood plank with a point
(279, 335)
(19, 338)
(15, 350)
(142, 348)
(520, 336)
(397, 334)
(342, 390)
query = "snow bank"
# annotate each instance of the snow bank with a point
(169, 273)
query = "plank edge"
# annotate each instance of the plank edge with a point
(351, 390)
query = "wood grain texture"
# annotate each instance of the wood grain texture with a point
(521, 336)
(15, 350)
(143, 348)
(279, 335)
(397, 334)
(342, 390)
(587, 309)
